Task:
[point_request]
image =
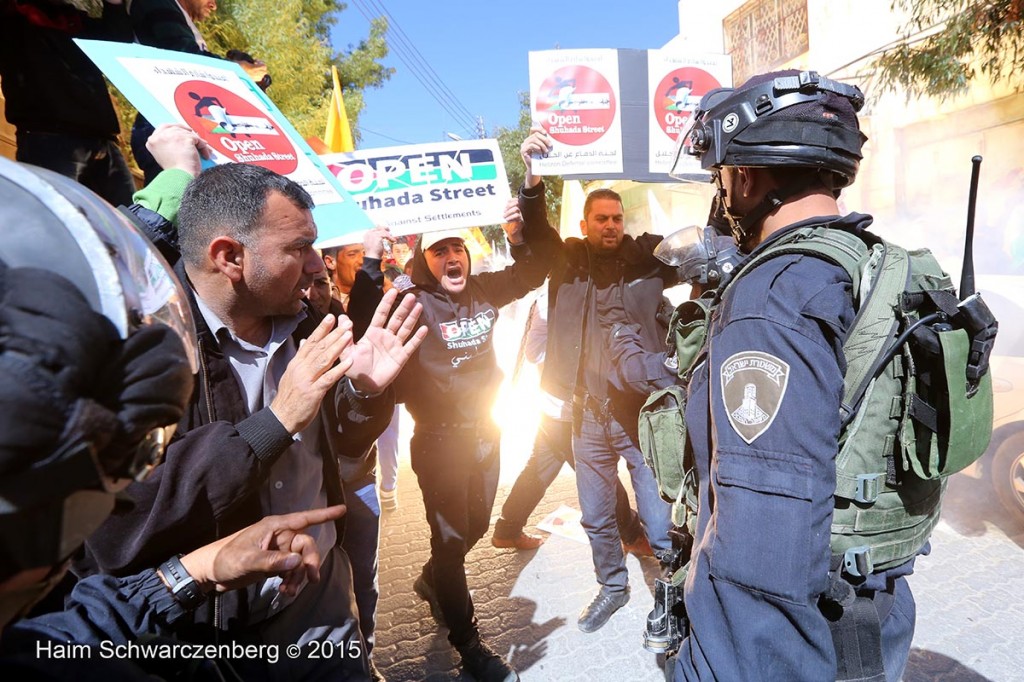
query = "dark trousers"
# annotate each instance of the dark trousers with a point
(95, 162)
(457, 471)
(322, 612)
(552, 448)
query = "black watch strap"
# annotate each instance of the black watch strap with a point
(182, 585)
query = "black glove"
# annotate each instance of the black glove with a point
(147, 386)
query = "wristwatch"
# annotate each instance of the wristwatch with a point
(183, 586)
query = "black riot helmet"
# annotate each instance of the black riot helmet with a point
(785, 119)
(97, 352)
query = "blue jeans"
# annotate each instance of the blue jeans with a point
(95, 162)
(597, 446)
(551, 449)
(362, 533)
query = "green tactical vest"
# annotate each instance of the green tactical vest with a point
(911, 417)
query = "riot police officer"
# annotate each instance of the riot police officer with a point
(763, 408)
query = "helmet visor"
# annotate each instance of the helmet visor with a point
(156, 295)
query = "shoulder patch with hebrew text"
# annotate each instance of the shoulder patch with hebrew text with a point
(753, 384)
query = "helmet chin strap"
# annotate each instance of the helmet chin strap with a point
(742, 226)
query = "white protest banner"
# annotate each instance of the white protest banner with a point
(426, 187)
(574, 95)
(223, 106)
(676, 82)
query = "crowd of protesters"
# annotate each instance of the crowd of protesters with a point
(252, 442)
(303, 357)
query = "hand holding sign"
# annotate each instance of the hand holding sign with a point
(537, 144)
(374, 241)
(177, 146)
(513, 224)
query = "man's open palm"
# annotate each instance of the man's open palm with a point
(387, 344)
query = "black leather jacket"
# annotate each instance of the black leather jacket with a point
(572, 298)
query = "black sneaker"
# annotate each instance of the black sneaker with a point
(425, 591)
(479, 661)
(601, 609)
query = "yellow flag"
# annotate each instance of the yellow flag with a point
(337, 134)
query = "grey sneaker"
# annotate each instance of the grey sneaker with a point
(601, 609)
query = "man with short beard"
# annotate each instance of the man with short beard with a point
(607, 271)
(284, 402)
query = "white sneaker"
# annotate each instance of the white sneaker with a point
(388, 499)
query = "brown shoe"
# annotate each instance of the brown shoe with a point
(638, 547)
(524, 541)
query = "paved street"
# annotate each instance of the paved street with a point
(970, 625)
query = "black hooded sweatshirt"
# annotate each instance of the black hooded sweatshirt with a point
(454, 377)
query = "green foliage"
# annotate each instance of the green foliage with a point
(292, 37)
(509, 140)
(281, 33)
(946, 44)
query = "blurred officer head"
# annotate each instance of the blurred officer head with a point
(97, 352)
(801, 128)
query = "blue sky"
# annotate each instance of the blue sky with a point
(478, 49)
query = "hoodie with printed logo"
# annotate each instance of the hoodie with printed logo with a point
(454, 377)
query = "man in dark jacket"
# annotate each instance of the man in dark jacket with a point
(87, 389)
(270, 421)
(55, 96)
(606, 270)
(449, 389)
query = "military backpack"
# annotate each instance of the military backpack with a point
(917, 403)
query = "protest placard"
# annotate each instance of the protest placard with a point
(227, 109)
(617, 114)
(426, 187)
(676, 84)
(574, 95)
